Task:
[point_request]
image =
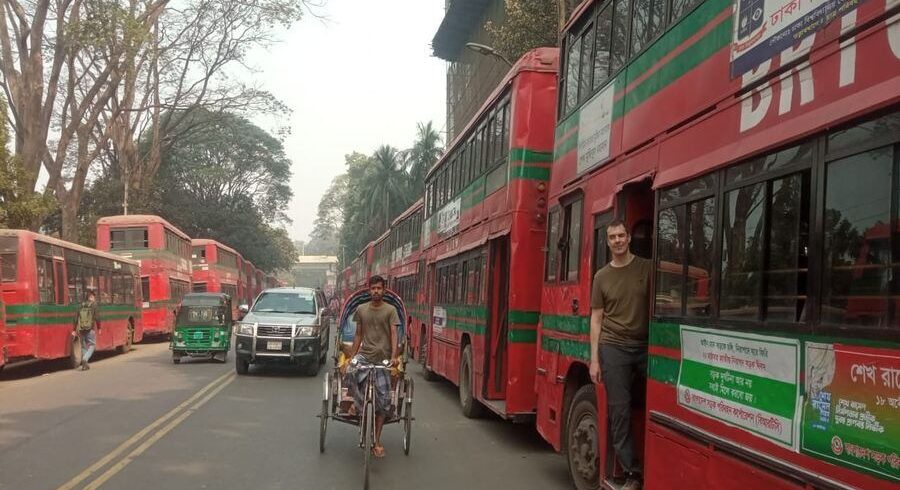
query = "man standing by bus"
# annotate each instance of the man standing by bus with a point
(375, 342)
(619, 323)
(85, 322)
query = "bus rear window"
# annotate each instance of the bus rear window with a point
(128, 238)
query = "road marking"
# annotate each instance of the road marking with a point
(156, 437)
(84, 475)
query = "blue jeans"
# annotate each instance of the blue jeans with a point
(88, 342)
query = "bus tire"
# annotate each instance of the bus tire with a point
(74, 359)
(583, 452)
(129, 340)
(471, 407)
(241, 365)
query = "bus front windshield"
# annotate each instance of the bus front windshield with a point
(292, 303)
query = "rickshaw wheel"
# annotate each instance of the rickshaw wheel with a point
(368, 437)
(407, 416)
(323, 417)
(323, 425)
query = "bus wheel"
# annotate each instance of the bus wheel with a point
(583, 452)
(129, 340)
(75, 354)
(471, 408)
(428, 374)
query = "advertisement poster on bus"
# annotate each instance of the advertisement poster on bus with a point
(438, 320)
(766, 27)
(746, 380)
(851, 415)
(594, 126)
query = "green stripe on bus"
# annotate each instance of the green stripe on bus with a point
(571, 348)
(579, 325)
(664, 369)
(479, 312)
(37, 308)
(525, 155)
(567, 145)
(768, 395)
(523, 336)
(529, 173)
(684, 62)
(666, 335)
(524, 317)
(678, 35)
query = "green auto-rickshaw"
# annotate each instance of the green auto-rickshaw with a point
(202, 327)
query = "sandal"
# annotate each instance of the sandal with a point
(378, 451)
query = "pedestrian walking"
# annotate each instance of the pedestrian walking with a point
(86, 325)
(619, 323)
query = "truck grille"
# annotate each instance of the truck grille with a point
(274, 331)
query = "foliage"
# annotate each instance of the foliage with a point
(20, 206)
(422, 156)
(529, 24)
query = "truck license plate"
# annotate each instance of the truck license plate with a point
(273, 345)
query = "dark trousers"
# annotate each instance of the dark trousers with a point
(624, 372)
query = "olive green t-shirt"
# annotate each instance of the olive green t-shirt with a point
(623, 295)
(375, 323)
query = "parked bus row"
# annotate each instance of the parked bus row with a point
(141, 269)
(759, 174)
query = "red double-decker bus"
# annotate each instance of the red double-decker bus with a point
(250, 289)
(215, 268)
(164, 253)
(2, 324)
(752, 150)
(361, 268)
(381, 256)
(483, 230)
(260, 282)
(44, 281)
(407, 273)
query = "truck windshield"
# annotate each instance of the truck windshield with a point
(284, 302)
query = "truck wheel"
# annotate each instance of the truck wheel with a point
(241, 365)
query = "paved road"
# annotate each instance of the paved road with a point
(139, 422)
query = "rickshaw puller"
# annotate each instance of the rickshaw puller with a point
(376, 341)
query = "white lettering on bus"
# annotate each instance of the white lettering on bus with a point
(804, 73)
(848, 51)
(751, 114)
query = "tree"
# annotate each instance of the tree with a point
(325, 237)
(20, 206)
(422, 156)
(387, 185)
(529, 24)
(228, 181)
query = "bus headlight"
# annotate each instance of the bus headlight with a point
(245, 328)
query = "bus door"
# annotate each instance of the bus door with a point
(634, 205)
(498, 315)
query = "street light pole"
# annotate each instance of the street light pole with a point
(488, 51)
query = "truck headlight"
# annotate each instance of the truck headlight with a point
(306, 331)
(245, 328)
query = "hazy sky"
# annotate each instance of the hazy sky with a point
(362, 78)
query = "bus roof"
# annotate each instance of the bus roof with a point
(540, 60)
(209, 241)
(69, 245)
(140, 219)
(410, 210)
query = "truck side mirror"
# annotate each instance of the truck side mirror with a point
(243, 309)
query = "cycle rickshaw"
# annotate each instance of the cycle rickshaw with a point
(337, 399)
